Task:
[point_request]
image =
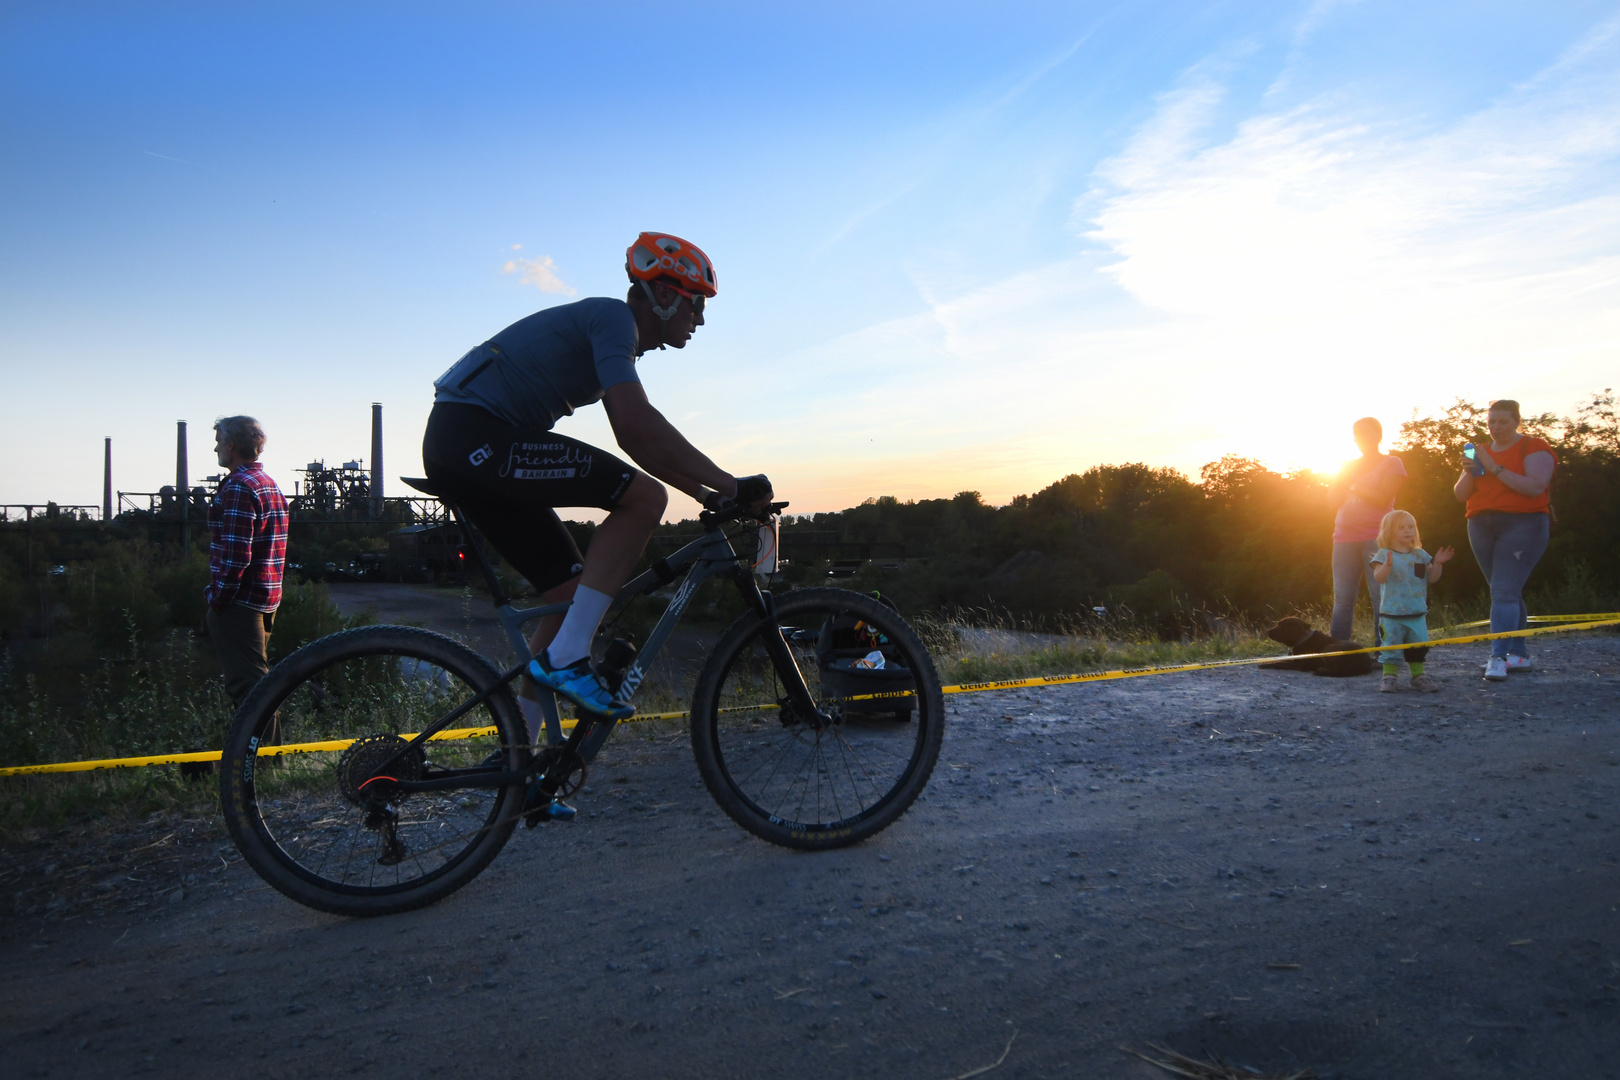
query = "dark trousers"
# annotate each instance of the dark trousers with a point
(240, 636)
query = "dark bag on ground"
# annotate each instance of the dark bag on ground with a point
(855, 660)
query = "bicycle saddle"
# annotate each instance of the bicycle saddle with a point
(424, 485)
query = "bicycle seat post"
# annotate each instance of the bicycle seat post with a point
(470, 543)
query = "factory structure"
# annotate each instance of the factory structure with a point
(327, 503)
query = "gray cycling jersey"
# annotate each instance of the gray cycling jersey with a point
(543, 367)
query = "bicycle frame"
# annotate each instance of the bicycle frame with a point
(709, 555)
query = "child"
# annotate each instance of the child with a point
(1403, 571)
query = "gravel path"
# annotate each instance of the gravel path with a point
(1288, 870)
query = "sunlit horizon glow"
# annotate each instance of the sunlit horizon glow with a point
(1095, 241)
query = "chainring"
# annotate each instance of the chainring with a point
(370, 770)
(572, 780)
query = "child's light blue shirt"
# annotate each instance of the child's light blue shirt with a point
(1406, 591)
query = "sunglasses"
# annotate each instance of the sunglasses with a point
(696, 299)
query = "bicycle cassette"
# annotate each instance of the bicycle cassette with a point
(370, 770)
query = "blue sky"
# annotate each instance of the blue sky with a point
(959, 246)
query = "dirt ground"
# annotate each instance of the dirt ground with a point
(1289, 871)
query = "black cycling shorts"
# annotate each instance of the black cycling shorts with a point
(507, 478)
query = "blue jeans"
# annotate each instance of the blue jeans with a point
(1351, 564)
(1507, 547)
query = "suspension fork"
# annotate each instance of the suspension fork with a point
(787, 668)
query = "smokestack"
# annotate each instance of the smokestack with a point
(182, 485)
(106, 485)
(376, 460)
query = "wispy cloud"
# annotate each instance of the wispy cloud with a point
(540, 272)
(1315, 17)
(1253, 287)
(950, 132)
(1368, 238)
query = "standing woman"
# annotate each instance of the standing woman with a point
(1363, 493)
(1508, 523)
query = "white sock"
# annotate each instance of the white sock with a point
(536, 719)
(573, 640)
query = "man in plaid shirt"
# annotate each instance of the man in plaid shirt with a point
(247, 528)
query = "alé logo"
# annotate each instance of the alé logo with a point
(481, 455)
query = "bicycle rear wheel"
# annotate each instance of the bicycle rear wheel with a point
(850, 771)
(302, 779)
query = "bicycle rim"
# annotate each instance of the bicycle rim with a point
(839, 777)
(316, 730)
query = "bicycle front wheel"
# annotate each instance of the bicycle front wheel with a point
(310, 763)
(848, 771)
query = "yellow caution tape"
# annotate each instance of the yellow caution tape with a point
(214, 755)
(326, 746)
(1542, 619)
(1571, 622)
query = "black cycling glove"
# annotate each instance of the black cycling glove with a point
(750, 490)
(753, 489)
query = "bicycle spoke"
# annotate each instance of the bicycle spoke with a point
(317, 811)
(845, 763)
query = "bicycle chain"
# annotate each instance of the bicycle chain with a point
(498, 822)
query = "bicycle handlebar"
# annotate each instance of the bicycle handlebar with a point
(736, 512)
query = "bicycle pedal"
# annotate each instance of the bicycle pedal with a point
(552, 811)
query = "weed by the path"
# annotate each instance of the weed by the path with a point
(997, 647)
(1073, 656)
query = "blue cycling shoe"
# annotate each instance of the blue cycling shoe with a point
(579, 684)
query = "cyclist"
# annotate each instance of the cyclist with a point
(490, 448)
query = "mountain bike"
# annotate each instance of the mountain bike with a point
(381, 768)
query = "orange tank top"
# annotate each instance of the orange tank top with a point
(1491, 494)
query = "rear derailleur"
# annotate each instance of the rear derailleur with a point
(369, 774)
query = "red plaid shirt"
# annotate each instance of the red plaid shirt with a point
(247, 527)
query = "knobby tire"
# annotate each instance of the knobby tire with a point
(306, 835)
(813, 785)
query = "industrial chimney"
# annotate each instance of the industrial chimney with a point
(106, 485)
(182, 486)
(376, 460)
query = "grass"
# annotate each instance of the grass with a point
(1020, 650)
(1082, 655)
(30, 805)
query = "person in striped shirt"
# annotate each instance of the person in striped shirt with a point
(247, 530)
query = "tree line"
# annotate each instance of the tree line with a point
(1242, 539)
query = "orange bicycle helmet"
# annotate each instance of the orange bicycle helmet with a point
(676, 262)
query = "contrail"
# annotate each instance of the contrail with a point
(181, 161)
